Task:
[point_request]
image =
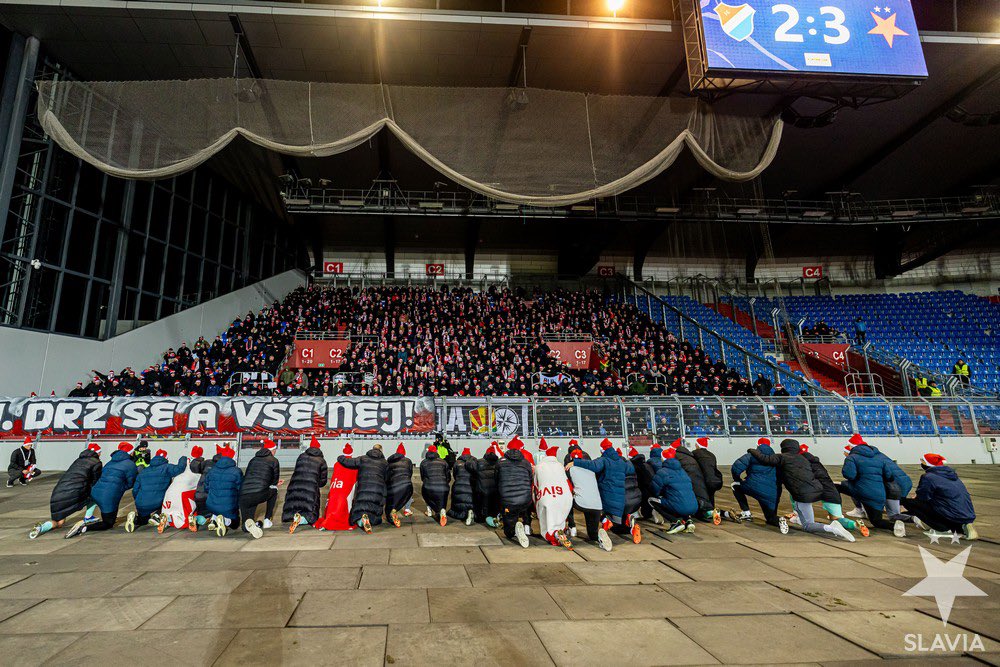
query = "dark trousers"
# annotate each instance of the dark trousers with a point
(592, 520)
(486, 505)
(770, 512)
(667, 513)
(250, 501)
(873, 513)
(510, 514)
(926, 513)
(107, 522)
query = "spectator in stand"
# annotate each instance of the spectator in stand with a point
(961, 370)
(860, 331)
(762, 386)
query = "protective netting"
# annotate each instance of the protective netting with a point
(528, 146)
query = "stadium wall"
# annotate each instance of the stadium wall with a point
(40, 362)
(57, 454)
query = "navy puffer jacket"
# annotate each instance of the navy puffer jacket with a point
(73, 488)
(117, 477)
(222, 489)
(310, 475)
(672, 485)
(901, 484)
(202, 466)
(152, 482)
(611, 470)
(761, 481)
(461, 488)
(868, 474)
(369, 493)
(435, 479)
(514, 479)
(941, 487)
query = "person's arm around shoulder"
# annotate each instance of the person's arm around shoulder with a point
(349, 462)
(767, 459)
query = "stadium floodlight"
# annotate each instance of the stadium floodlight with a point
(582, 208)
(904, 214)
(747, 211)
(352, 202)
(324, 182)
(615, 6)
(815, 214)
(505, 207)
(431, 204)
(976, 209)
(668, 209)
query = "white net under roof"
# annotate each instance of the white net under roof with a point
(526, 146)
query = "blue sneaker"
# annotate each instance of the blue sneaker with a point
(90, 520)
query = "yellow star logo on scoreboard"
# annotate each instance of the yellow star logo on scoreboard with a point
(886, 27)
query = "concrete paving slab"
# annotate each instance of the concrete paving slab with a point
(796, 549)
(86, 614)
(913, 566)
(106, 543)
(382, 538)
(990, 586)
(608, 602)
(372, 607)
(849, 594)
(622, 553)
(306, 646)
(413, 576)
(736, 597)
(341, 558)
(45, 544)
(68, 585)
(226, 611)
(43, 647)
(465, 644)
(885, 632)
(538, 552)
(712, 550)
(498, 575)
(13, 606)
(649, 642)
(191, 647)
(437, 556)
(725, 637)
(148, 560)
(727, 569)
(186, 582)
(463, 539)
(486, 605)
(263, 560)
(828, 568)
(300, 580)
(8, 579)
(286, 542)
(985, 624)
(626, 572)
(879, 545)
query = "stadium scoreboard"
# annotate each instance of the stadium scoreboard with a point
(807, 41)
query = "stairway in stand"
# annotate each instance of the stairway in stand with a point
(821, 374)
(764, 330)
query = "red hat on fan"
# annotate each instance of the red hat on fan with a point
(94, 447)
(401, 449)
(606, 444)
(763, 441)
(124, 447)
(932, 460)
(313, 443)
(466, 452)
(542, 445)
(433, 449)
(655, 445)
(269, 444)
(348, 450)
(676, 443)
(552, 451)
(576, 454)
(633, 452)
(515, 443)
(702, 442)
(27, 439)
(856, 440)
(219, 448)
(670, 453)
(803, 448)
(573, 441)
(197, 451)
(227, 452)
(161, 452)
(847, 449)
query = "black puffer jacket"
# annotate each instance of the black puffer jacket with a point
(369, 493)
(484, 485)
(633, 494)
(644, 477)
(514, 479)
(399, 482)
(795, 471)
(310, 475)
(435, 478)
(20, 460)
(201, 466)
(693, 469)
(262, 472)
(830, 492)
(709, 468)
(73, 488)
(461, 488)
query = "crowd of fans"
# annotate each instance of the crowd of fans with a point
(431, 342)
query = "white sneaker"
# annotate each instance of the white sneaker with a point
(657, 519)
(527, 529)
(783, 525)
(267, 524)
(840, 532)
(969, 532)
(255, 531)
(794, 520)
(603, 539)
(470, 518)
(899, 529)
(572, 531)
(918, 524)
(520, 534)
(78, 528)
(35, 532)
(130, 522)
(429, 513)
(857, 513)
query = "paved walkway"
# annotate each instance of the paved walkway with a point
(424, 594)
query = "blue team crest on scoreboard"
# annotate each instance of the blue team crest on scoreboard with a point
(736, 20)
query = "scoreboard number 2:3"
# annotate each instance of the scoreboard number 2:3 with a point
(836, 23)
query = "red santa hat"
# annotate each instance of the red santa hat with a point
(669, 453)
(761, 442)
(676, 443)
(314, 443)
(466, 452)
(270, 444)
(227, 452)
(606, 444)
(633, 452)
(803, 448)
(348, 450)
(94, 447)
(219, 448)
(515, 443)
(573, 441)
(196, 451)
(27, 439)
(552, 451)
(856, 440)
(932, 460)
(576, 454)
(656, 445)
(124, 447)
(433, 449)
(847, 449)
(702, 442)
(542, 445)
(161, 452)
(401, 449)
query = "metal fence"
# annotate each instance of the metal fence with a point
(663, 418)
